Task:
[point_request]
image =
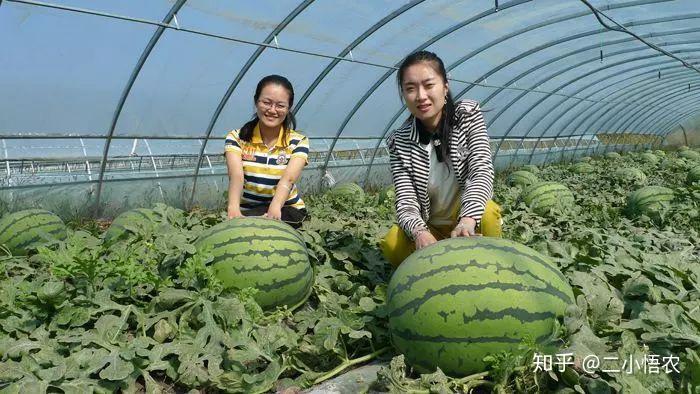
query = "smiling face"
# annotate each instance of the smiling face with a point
(424, 90)
(272, 105)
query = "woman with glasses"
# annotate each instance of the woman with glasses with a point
(265, 158)
(440, 163)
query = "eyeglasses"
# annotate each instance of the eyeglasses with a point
(274, 106)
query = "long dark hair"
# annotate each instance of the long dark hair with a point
(448, 111)
(289, 123)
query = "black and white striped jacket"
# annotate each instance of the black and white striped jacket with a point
(470, 159)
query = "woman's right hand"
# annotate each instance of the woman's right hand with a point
(424, 238)
(234, 213)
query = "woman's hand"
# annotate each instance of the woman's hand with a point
(465, 228)
(273, 212)
(234, 213)
(424, 238)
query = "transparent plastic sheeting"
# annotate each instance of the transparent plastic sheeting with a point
(131, 100)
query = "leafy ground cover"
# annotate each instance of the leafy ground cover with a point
(147, 314)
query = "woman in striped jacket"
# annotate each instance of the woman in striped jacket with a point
(440, 163)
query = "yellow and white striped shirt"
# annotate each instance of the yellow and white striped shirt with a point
(263, 167)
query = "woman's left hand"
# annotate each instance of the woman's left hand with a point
(273, 213)
(465, 228)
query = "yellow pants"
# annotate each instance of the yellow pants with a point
(396, 245)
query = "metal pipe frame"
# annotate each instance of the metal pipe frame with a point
(629, 120)
(125, 93)
(587, 150)
(648, 132)
(192, 31)
(561, 103)
(593, 111)
(527, 72)
(655, 34)
(671, 126)
(241, 73)
(357, 41)
(622, 92)
(625, 91)
(491, 44)
(665, 19)
(605, 122)
(670, 95)
(661, 132)
(665, 118)
(627, 124)
(156, 178)
(580, 77)
(671, 123)
(543, 81)
(142, 137)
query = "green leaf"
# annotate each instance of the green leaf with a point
(117, 369)
(367, 304)
(26, 386)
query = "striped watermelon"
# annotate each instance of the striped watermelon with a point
(693, 175)
(530, 168)
(683, 148)
(137, 218)
(522, 178)
(582, 168)
(649, 158)
(349, 190)
(612, 155)
(659, 152)
(674, 164)
(584, 159)
(544, 196)
(631, 175)
(265, 254)
(460, 299)
(648, 200)
(690, 155)
(24, 230)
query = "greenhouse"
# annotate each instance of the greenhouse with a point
(132, 262)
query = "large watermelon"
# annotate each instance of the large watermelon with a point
(544, 196)
(522, 178)
(349, 190)
(649, 158)
(584, 159)
(674, 164)
(612, 155)
(23, 230)
(648, 200)
(582, 168)
(631, 175)
(265, 254)
(460, 299)
(134, 218)
(693, 175)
